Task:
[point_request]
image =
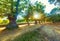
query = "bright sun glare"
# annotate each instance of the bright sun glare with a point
(36, 16)
(48, 8)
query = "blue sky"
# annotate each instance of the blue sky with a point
(49, 6)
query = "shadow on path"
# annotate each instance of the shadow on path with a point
(49, 32)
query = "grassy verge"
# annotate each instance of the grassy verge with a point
(30, 36)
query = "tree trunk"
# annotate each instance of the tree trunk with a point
(12, 18)
(12, 24)
(27, 20)
(39, 21)
(35, 21)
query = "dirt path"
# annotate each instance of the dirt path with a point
(4, 36)
(52, 33)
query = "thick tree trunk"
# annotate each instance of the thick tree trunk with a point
(12, 24)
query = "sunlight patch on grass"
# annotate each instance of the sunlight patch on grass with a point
(30, 36)
(2, 28)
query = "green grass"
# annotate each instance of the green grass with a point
(30, 36)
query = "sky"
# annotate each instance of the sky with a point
(49, 6)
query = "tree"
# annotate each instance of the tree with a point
(54, 18)
(13, 15)
(55, 2)
(9, 8)
(28, 10)
(40, 9)
(29, 13)
(54, 15)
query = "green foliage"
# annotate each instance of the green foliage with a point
(39, 7)
(6, 6)
(55, 17)
(30, 36)
(20, 20)
(9, 7)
